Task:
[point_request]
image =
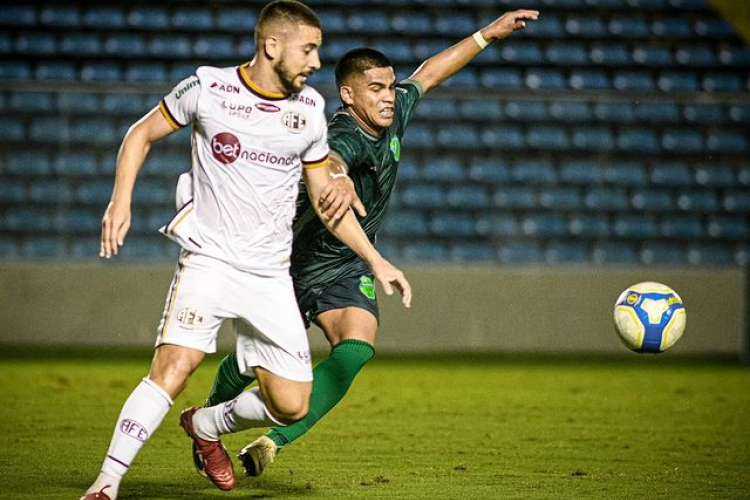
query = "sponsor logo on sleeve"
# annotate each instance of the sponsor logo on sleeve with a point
(189, 85)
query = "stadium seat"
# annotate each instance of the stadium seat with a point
(93, 131)
(519, 253)
(408, 170)
(413, 23)
(697, 200)
(28, 163)
(545, 79)
(31, 102)
(153, 193)
(585, 26)
(337, 47)
(149, 248)
(503, 137)
(652, 55)
(728, 227)
(458, 137)
(589, 226)
(624, 172)
(652, 200)
(489, 170)
(43, 247)
(606, 198)
(405, 223)
(614, 253)
(735, 56)
(677, 81)
(636, 226)
(36, 43)
(501, 78)
(57, 192)
(78, 163)
(80, 44)
(454, 24)
(424, 251)
(169, 46)
(77, 103)
(736, 200)
(18, 15)
(9, 248)
(100, 71)
(443, 169)
(709, 254)
(566, 54)
(526, 111)
(149, 18)
(481, 110)
(396, 50)
(584, 172)
(662, 253)
(103, 17)
(128, 44)
(65, 16)
(566, 253)
(609, 54)
(243, 19)
(544, 28)
(614, 111)
(637, 139)
(471, 252)
(722, 82)
(571, 111)
(714, 28)
(672, 27)
(192, 19)
(671, 173)
(51, 130)
(6, 43)
(593, 138)
(705, 114)
(423, 196)
(29, 219)
(94, 193)
(12, 192)
(713, 175)
(370, 21)
(467, 197)
(502, 225)
(467, 77)
(452, 225)
(561, 198)
(648, 4)
(727, 141)
(522, 52)
(533, 171)
(521, 197)
(123, 104)
(696, 55)
(584, 79)
(682, 141)
(628, 27)
(78, 221)
(13, 130)
(743, 175)
(547, 137)
(682, 227)
(633, 81)
(145, 72)
(167, 164)
(51, 70)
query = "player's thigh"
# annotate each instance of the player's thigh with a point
(288, 400)
(348, 323)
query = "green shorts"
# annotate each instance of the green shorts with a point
(355, 288)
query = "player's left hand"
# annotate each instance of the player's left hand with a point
(390, 278)
(508, 23)
(337, 196)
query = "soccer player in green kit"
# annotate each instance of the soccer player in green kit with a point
(334, 288)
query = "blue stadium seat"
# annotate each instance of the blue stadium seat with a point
(514, 197)
(18, 15)
(537, 78)
(628, 27)
(405, 223)
(240, 19)
(709, 254)
(43, 247)
(167, 163)
(78, 221)
(44, 192)
(413, 23)
(589, 79)
(593, 138)
(458, 136)
(423, 196)
(489, 170)
(6, 43)
(128, 44)
(94, 192)
(333, 20)
(544, 28)
(145, 72)
(443, 169)
(606, 198)
(31, 102)
(455, 24)
(662, 253)
(566, 253)
(547, 137)
(652, 200)
(652, 55)
(533, 171)
(28, 163)
(672, 27)
(727, 141)
(452, 225)
(526, 110)
(152, 193)
(519, 253)
(671, 173)
(624, 172)
(501, 78)
(150, 248)
(682, 141)
(609, 54)
(522, 52)
(123, 104)
(579, 172)
(715, 28)
(408, 170)
(83, 247)
(722, 82)
(648, 4)
(9, 248)
(103, 17)
(743, 175)
(503, 137)
(339, 46)
(64, 15)
(691, 5)
(712, 175)
(13, 130)
(29, 220)
(677, 81)
(735, 56)
(80, 44)
(193, 19)
(638, 226)
(589, 226)
(561, 198)
(502, 225)
(637, 139)
(682, 227)
(100, 71)
(585, 26)
(77, 163)
(697, 200)
(93, 131)
(424, 251)
(471, 252)
(149, 18)
(615, 111)
(52, 129)
(12, 191)
(696, 55)
(736, 200)
(571, 111)
(168, 46)
(566, 54)
(370, 21)
(37, 43)
(634, 81)
(467, 77)
(53, 70)
(467, 197)
(475, 109)
(729, 227)
(614, 253)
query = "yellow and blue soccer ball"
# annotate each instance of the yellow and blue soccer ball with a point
(649, 317)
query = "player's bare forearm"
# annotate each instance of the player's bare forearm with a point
(339, 194)
(445, 64)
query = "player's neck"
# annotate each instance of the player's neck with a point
(377, 132)
(262, 80)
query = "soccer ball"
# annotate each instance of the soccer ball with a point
(649, 317)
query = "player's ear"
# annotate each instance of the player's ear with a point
(345, 92)
(272, 47)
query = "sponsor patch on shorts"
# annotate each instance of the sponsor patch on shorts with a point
(367, 287)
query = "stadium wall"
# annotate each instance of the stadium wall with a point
(488, 309)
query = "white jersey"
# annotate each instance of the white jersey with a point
(249, 148)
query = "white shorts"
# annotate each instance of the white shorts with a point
(266, 320)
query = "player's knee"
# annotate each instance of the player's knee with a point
(290, 408)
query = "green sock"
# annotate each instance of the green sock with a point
(229, 382)
(331, 381)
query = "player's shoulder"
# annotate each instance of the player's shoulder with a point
(209, 75)
(406, 85)
(309, 96)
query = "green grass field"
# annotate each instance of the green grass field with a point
(631, 427)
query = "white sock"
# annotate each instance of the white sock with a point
(141, 415)
(244, 412)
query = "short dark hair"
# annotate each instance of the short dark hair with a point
(357, 61)
(289, 11)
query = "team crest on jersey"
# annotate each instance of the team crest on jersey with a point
(395, 147)
(294, 121)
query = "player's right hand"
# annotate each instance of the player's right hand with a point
(115, 226)
(390, 278)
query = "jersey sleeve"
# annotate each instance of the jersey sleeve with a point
(180, 106)
(317, 154)
(408, 94)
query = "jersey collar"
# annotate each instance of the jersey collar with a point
(252, 87)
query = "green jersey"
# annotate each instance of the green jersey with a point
(317, 256)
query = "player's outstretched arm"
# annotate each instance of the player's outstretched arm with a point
(442, 66)
(349, 232)
(339, 194)
(135, 146)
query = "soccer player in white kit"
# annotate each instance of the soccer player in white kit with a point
(256, 129)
